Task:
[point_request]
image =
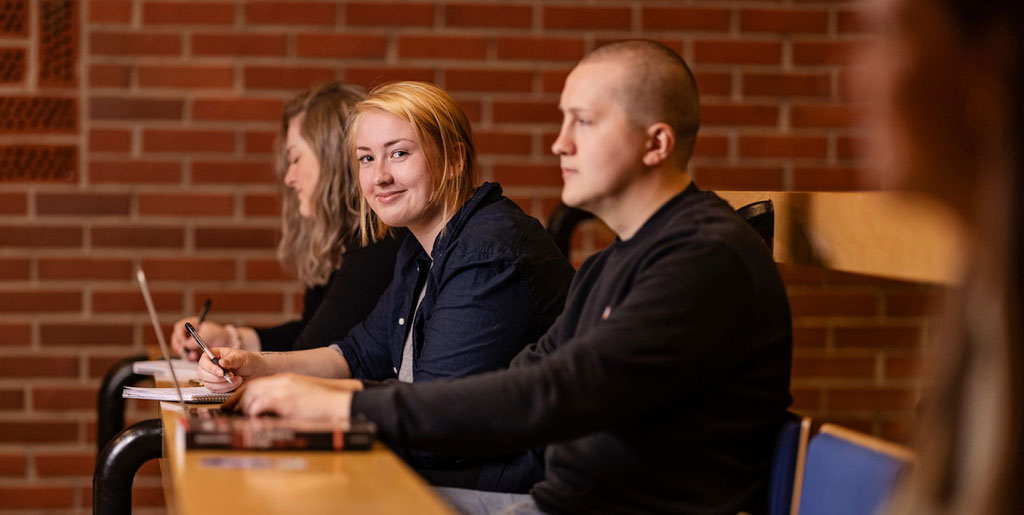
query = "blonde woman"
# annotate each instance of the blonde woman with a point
(320, 239)
(475, 283)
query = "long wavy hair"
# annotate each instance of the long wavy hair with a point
(311, 247)
(445, 134)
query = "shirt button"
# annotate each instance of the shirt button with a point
(401, 321)
(395, 369)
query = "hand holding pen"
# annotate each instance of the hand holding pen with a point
(206, 350)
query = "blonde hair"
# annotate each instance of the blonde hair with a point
(311, 247)
(444, 133)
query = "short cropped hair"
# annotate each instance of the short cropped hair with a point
(444, 133)
(659, 88)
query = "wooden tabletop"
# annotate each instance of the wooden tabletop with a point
(252, 482)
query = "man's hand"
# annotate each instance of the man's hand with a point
(300, 397)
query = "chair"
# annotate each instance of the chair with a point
(849, 473)
(116, 466)
(787, 463)
(110, 403)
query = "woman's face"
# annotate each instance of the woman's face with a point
(394, 173)
(303, 166)
(916, 76)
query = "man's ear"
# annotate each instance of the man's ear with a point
(661, 140)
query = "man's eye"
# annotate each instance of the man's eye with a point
(581, 121)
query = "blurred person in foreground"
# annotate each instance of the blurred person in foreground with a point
(946, 81)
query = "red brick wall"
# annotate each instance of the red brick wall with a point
(138, 132)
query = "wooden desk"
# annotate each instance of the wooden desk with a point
(374, 481)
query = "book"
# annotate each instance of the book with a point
(213, 429)
(183, 368)
(193, 394)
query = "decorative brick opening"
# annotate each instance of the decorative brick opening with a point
(38, 114)
(38, 163)
(12, 65)
(58, 43)
(14, 18)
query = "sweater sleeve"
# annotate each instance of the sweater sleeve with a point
(673, 332)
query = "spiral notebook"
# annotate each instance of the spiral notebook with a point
(191, 395)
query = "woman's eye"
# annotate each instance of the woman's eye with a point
(399, 154)
(365, 159)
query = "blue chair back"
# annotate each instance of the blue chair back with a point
(850, 473)
(790, 448)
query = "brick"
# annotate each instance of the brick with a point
(528, 175)
(801, 274)
(806, 398)
(830, 179)
(894, 337)
(110, 11)
(148, 496)
(260, 142)
(109, 76)
(265, 270)
(189, 269)
(789, 21)
(122, 108)
(787, 85)
(166, 76)
(833, 304)
(585, 18)
(851, 148)
(262, 205)
(685, 18)
(172, 140)
(234, 238)
(99, 365)
(901, 367)
(13, 204)
(820, 53)
(241, 109)
(552, 81)
(35, 365)
(287, 78)
(298, 13)
(110, 140)
(871, 399)
(709, 145)
(738, 178)
(34, 497)
(134, 171)
(834, 367)
(809, 337)
(737, 52)
(912, 303)
(138, 236)
(14, 268)
(233, 172)
(83, 204)
(371, 76)
(713, 83)
(85, 268)
(61, 464)
(47, 398)
(341, 46)
(783, 146)
(492, 142)
(488, 80)
(540, 49)
(186, 204)
(386, 14)
(851, 21)
(242, 302)
(472, 108)
(188, 13)
(488, 16)
(38, 301)
(442, 47)
(732, 115)
(525, 112)
(84, 334)
(12, 465)
(821, 115)
(240, 45)
(134, 44)
(40, 236)
(12, 399)
(131, 302)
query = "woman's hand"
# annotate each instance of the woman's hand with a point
(212, 333)
(298, 396)
(237, 364)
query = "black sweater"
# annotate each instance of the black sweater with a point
(660, 388)
(330, 311)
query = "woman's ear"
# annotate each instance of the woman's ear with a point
(661, 140)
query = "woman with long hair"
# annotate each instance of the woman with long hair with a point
(946, 77)
(475, 282)
(320, 238)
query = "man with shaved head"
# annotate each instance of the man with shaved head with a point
(663, 384)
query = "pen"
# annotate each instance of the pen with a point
(203, 311)
(192, 330)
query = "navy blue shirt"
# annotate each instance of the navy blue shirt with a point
(496, 284)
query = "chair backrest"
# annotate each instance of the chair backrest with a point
(761, 216)
(787, 458)
(849, 473)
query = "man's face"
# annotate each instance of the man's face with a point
(601, 150)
